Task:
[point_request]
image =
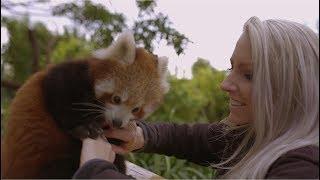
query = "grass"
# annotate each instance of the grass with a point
(171, 167)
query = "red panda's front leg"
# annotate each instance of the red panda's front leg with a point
(68, 89)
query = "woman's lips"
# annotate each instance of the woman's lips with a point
(234, 102)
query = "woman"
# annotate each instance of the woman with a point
(272, 130)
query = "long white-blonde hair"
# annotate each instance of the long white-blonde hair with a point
(285, 95)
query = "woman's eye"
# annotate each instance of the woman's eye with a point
(248, 76)
(116, 100)
(135, 110)
(229, 70)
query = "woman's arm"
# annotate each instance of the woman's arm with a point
(198, 143)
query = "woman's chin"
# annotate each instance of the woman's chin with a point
(236, 120)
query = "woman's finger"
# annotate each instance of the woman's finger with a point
(111, 156)
(121, 134)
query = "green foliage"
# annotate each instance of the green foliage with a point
(18, 66)
(6, 97)
(157, 26)
(196, 100)
(146, 6)
(103, 24)
(71, 48)
(17, 57)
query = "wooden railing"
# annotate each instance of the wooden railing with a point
(139, 172)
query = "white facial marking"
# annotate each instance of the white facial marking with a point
(105, 86)
(121, 112)
(124, 95)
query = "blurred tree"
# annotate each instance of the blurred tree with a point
(156, 26)
(94, 19)
(196, 100)
(208, 80)
(26, 50)
(200, 64)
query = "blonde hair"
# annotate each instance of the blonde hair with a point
(285, 96)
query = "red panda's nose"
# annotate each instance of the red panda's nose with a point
(116, 122)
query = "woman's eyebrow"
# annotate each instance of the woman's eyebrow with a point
(242, 65)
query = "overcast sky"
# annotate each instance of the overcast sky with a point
(213, 25)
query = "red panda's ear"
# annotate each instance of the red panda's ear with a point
(163, 70)
(123, 49)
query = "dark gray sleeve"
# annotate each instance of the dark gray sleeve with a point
(99, 169)
(198, 143)
(302, 163)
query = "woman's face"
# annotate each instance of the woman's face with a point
(239, 82)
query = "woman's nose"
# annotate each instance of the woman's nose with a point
(228, 85)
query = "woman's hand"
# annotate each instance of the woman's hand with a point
(96, 149)
(132, 136)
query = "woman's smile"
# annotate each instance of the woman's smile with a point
(236, 103)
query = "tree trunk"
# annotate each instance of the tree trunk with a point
(35, 51)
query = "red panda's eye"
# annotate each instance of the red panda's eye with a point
(135, 110)
(116, 100)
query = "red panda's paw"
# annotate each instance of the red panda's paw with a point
(91, 130)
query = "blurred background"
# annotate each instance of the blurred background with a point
(197, 36)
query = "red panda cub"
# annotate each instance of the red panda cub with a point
(64, 103)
